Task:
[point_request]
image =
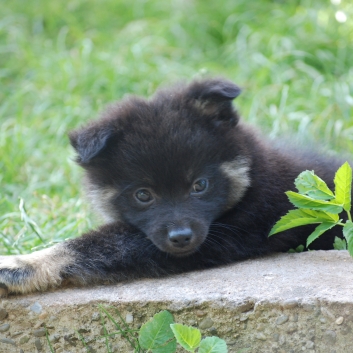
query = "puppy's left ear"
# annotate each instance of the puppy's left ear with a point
(90, 141)
(214, 98)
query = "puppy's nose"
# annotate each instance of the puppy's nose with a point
(180, 237)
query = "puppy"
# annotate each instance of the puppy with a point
(182, 183)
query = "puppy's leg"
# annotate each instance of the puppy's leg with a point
(112, 253)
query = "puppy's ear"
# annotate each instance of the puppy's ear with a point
(216, 90)
(214, 98)
(89, 142)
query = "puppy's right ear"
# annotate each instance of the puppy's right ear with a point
(89, 142)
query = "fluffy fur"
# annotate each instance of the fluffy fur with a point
(182, 183)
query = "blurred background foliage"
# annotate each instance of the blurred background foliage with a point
(61, 62)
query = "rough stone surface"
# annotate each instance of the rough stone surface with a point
(4, 327)
(285, 303)
(3, 314)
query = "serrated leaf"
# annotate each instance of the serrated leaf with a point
(343, 186)
(339, 244)
(188, 337)
(296, 218)
(348, 234)
(311, 185)
(323, 227)
(325, 216)
(213, 345)
(302, 201)
(156, 333)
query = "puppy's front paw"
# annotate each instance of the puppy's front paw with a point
(15, 275)
(37, 271)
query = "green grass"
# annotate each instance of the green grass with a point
(62, 61)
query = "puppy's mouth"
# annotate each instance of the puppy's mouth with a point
(183, 253)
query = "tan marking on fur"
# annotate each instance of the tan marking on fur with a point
(100, 199)
(206, 106)
(237, 172)
(47, 265)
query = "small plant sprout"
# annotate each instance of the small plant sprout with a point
(161, 334)
(317, 204)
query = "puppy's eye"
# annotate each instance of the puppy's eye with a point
(199, 186)
(143, 195)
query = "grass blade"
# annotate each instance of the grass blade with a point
(125, 332)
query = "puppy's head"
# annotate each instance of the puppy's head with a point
(169, 165)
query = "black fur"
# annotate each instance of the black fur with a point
(183, 184)
(164, 145)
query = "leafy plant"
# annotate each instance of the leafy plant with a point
(160, 335)
(317, 204)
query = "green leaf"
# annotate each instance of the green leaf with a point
(299, 248)
(339, 244)
(213, 345)
(188, 337)
(348, 234)
(343, 186)
(311, 185)
(323, 227)
(169, 347)
(156, 333)
(302, 201)
(296, 218)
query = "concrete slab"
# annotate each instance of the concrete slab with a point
(282, 303)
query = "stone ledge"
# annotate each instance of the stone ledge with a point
(285, 303)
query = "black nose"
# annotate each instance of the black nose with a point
(180, 237)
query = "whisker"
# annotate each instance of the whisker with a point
(228, 241)
(232, 228)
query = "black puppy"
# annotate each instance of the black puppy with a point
(182, 184)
